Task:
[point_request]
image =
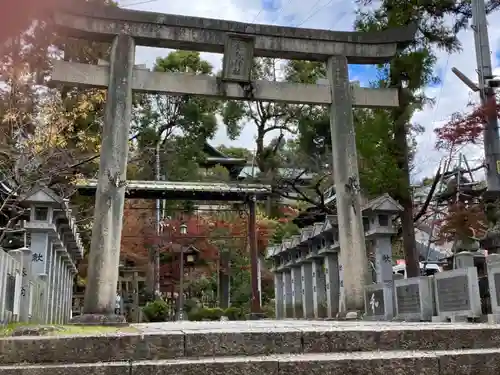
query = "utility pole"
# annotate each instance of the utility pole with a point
(486, 87)
(158, 227)
(487, 94)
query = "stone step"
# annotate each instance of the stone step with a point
(165, 341)
(456, 362)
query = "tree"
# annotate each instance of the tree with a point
(465, 217)
(171, 130)
(464, 128)
(45, 134)
(212, 233)
(267, 118)
(379, 172)
(409, 72)
(303, 177)
(236, 152)
(166, 124)
(229, 234)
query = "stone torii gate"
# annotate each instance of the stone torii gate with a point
(240, 43)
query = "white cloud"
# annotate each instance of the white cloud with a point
(452, 97)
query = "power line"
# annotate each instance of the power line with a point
(311, 15)
(278, 11)
(307, 17)
(258, 14)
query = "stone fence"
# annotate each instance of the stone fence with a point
(36, 281)
(308, 274)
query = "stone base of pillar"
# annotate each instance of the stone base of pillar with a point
(99, 320)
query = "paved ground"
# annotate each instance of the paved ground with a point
(301, 325)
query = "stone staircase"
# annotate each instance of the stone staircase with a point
(262, 348)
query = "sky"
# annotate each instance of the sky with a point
(451, 95)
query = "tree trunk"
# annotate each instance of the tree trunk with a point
(405, 196)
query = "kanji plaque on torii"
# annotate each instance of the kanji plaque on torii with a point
(238, 58)
(239, 42)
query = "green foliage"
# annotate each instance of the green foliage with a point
(269, 311)
(156, 311)
(382, 157)
(374, 137)
(180, 125)
(218, 173)
(267, 118)
(232, 313)
(410, 72)
(284, 230)
(236, 152)
(206, 314)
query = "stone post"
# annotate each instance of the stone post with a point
(296, 293)
(40, 248)
(332, 274)
(50, 278)
(383, 269)
(70, 291)
(287, 293)
(62, 298)
(493, 269)
(17, 255)
(69, 300)
(319, 289)
(464, 259)
(53, 277)
(68, 297)
(24, 311)
(59, 285)
(278, 295)
(306, 271)
(383, 259)
(380, 214)
(346, 177)
(104, 256)
(64, 305)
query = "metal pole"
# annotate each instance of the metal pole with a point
(181, 287)
(487, 94)
(255, 308)
(158, 219)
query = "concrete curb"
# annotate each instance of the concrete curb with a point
(460, 362)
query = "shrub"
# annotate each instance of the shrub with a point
(206, 314)
(234, 313)
(269, 311)
(156, 311)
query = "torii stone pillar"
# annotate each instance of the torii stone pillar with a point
(346, 176)
(104, 256)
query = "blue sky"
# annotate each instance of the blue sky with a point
(450, 96)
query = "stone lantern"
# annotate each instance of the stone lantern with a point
(379, 297)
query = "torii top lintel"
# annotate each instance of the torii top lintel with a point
(209, 35)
